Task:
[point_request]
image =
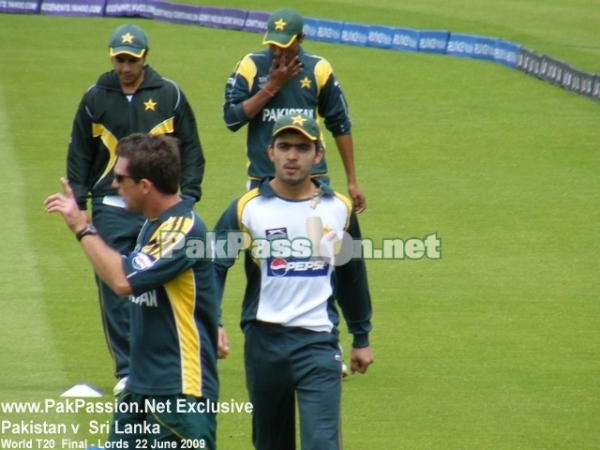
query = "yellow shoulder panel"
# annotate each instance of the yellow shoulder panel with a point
(253, 193)
(348, 204)
(323, 71)
(247, 69)
(168, 236)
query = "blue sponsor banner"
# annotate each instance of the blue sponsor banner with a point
(552, 70)
(311, 26)
(22, 7)
(143, 8)
(596, 88)
(177, 13)
(567, 76)
(587, 84)
(570, 79)
(484, 48)
(406, 39)
(523, 59)
(506, 53)
(433, 41)
(73, 7)
(329, 31)
(544, 68)
(163, 10)
(256, 21)
(548, 69)
(533, 67)
(211, 17)
(380, 36)
(575, 84)
(462, 45)
(560, 70)
(234, 19)
(355, 34)
(186, 14)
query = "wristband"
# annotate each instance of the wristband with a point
(269, 93)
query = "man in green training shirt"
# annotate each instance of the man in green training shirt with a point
(281, 80)
(130, 98)
(173, 300)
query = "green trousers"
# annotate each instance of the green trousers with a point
(119, 229)
(152, 421)
(285, 364)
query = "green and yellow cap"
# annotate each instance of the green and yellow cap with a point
(282, 27)
(129, 39)
(299, 122)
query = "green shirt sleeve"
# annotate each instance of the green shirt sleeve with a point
(192, 156)
(80, 154)
(353, 293)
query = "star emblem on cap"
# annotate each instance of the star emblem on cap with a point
(127, 38)
(150, 105)
(280, 24)
(298, 120)
(305, 83)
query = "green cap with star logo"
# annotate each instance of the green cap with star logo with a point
(129, 39)
(282, 27)
(299, 122)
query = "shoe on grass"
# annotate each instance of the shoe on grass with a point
(120, 386)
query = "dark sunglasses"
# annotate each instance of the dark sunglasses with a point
(120, 178)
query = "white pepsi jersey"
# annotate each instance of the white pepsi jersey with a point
(288, 273)
(295, 281)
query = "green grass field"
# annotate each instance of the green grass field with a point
(495, 346)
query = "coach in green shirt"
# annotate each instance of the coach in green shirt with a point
(173, 300)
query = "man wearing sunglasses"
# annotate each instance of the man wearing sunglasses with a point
(173, 301)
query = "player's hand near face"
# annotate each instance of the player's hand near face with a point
(66, 205)
(283, 70)
(361, 359)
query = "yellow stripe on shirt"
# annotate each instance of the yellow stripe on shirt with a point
(182, 296)
(165, 127)
(110, 142)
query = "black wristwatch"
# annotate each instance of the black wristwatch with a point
(89, 230)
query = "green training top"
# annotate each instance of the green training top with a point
(314, 92)
(174, 309)
(106, 114)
